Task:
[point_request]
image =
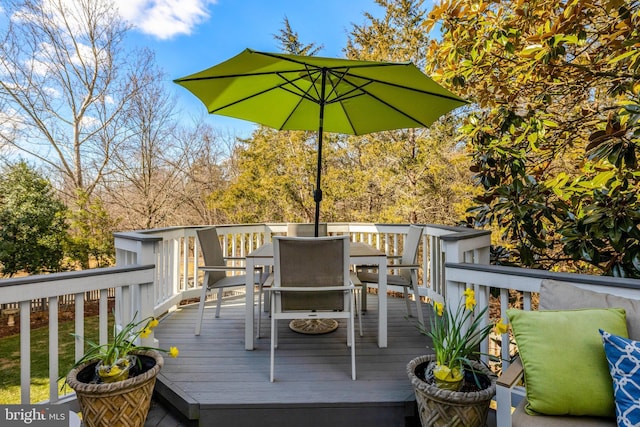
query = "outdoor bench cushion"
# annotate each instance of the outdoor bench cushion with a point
(555, 295)
(522, 419)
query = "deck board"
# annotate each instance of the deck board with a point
(215, 381)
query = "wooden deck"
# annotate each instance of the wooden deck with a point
(215, 381)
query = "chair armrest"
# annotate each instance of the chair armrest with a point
(227, 267)
(389, 265)
(311, 288)
(353, 276)
(512, 375)
(242, 260)
(504, 388)
(269, 281)
(220, 268)
(406, 266)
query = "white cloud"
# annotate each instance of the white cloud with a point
(165, 18)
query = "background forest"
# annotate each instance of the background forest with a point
(545, 155)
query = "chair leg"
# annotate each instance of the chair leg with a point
(203, 297)
(416, 295)
(406, 301)
(264, 301)
(259, 309)
(359, 287)
(351, 333)
(220, 291)
(273, 354)
(359, 310)
(363, 298)
(273, 345)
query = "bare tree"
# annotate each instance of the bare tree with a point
(205, 173)
(142, 184)
(65, 84)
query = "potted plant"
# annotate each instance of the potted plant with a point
(451, 384)
(114, 381)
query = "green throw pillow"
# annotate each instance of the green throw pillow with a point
(565, 367)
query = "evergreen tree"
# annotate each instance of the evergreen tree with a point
(32, 223)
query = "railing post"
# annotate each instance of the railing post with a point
(133, 249)
(471, 247)
(146, 310)
(474, 248)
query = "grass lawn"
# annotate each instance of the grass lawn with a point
(10, 360)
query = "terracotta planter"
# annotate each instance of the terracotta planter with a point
(121, 403)
(445, 408)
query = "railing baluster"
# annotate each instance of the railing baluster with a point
(25, 352)
(53, 349)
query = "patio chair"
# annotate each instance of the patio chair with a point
(294, 229)
(215, 271)
(407, 276)
(308, 230)
(311, 281)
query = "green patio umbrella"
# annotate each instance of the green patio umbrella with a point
(294, 92)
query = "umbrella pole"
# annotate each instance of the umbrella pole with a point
(317, 193)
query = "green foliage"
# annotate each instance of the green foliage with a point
(555, 136)
(91, 233)
(290, 42)
(32, 223)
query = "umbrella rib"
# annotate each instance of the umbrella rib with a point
(337, 67)
(302, 94)
(230, 76)
(409, 88)
(410, 117)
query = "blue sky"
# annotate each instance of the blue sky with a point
(190, 35)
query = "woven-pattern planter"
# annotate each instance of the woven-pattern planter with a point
(118, 404)
(445, 408)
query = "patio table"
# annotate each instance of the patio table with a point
(359, 253)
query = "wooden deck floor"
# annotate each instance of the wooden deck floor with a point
(215, 381)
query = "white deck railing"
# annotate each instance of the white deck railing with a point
(175, 252)
(133, 282)
(142, 290)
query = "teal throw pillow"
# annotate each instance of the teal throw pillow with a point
(565, 368)
(623, 356)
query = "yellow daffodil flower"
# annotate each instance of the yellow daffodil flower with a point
(145, 333)
(153, 323)
(501, 327)
(470, 302)
(438, 307)
(470, 299)
(173, 351)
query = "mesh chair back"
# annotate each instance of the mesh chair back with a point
(311, 262)
(211, 252)
(306, 229)
(410, 249)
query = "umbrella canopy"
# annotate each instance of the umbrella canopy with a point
(293, 92)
